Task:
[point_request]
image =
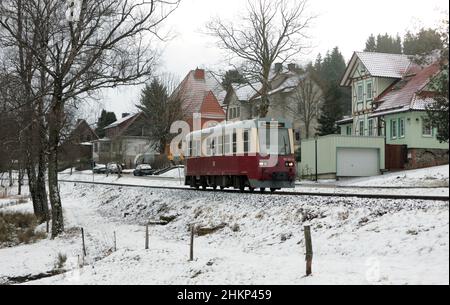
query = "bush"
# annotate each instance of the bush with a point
(18, 228)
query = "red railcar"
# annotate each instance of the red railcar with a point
(255, 154)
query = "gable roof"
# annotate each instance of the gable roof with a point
(121, 121)
(196, 86)
(378, 65)
(409, 93)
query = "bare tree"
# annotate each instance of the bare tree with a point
(81, 48)
(272, 31)
(306, 102)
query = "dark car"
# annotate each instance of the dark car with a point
(143, 170)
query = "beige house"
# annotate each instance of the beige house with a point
(294, 96)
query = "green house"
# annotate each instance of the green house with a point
(390, 94)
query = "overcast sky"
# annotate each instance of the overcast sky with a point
(344, 23)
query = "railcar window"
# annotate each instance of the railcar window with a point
(234, 143)
(282, 148)
(246, 141)
(190, 148)
(227, 144)
(220, 146)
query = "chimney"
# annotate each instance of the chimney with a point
(278, 67)
(292, 67)
(124, 115)
(199, 74)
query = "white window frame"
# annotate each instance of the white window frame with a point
(369, 93)
(401, 128)
(394, 129)
(362, 131)
(360, 93)
(371, 127)
(425, 125)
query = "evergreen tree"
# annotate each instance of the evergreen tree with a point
(423, 42)
(388, 44)
(438, 113)
(161, 111)
(371, 44)
(337, 99)
(232, 77)
(106, 119)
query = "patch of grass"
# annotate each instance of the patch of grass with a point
(61, 260)
(18, 228)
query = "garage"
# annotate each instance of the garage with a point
(357, 162)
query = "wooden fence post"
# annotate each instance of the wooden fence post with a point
(146, 237)
(115, 242)
(309, 250)
(84, 245)
(191, 252)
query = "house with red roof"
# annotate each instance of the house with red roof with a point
(390, 96)
(202, 93)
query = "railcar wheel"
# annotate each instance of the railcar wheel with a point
(262, 190)
(272, 190)
(241, 184)
(252, 189)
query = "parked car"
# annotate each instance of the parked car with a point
(143, 170)
(99, 169)
(113, 168)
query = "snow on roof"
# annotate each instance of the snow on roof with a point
(121, 121)
(384, 64)
(246, 92)
(406, 93)
(378, 65)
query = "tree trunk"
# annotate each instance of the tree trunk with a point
(20, 182)
(53, 188)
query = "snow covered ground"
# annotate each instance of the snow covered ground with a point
(427, 177)
(355, 241)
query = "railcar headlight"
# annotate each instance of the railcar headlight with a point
(290, 164)
(263, 163)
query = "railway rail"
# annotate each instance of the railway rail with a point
(279, 193)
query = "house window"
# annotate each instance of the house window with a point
(394, 129)
(371, 128)
(349, 130)
(369, 91)
(238, 112)
(401, 128)
(361, 128)
(360, 93)
(427, 128)
(96, 147)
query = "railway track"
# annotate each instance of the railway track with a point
(280, 193)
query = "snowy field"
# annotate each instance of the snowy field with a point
(355, 241)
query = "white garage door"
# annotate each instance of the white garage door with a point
(357, 162)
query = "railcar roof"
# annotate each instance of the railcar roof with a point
(241, 124)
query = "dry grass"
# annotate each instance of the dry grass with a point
(18, 228)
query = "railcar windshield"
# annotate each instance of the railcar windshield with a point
(275, 141)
